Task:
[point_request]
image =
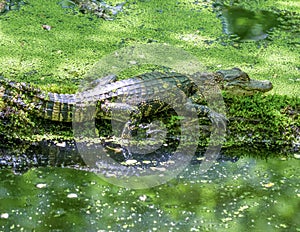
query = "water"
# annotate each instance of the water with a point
(248, 195)
(248, 25)
(245, 25)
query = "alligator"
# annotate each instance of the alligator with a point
(60, 107)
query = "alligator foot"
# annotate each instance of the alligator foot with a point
(218, 120)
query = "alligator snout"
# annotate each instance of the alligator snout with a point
(265, 86)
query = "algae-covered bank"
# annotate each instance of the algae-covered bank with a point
(53, 45)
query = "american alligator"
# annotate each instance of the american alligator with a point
(59, 107)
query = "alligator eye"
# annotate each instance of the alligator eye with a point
(243, 78)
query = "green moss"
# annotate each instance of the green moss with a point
(272, 120)
(55, 59)
(58, 59)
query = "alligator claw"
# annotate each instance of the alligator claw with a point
(219, 120)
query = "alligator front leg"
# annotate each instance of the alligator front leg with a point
(216, 118)
(141, 137)
(121, 113)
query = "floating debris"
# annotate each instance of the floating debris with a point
(46, 27)
(4, 215)
(269, 185)
(41, 185)
(62, 144)
(131, 162)
(143, 198)
(72, 195)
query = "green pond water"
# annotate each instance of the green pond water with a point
(248, 195)
(248, 25)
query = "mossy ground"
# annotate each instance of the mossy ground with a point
(58, 59)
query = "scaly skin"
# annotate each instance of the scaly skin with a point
(60, 107)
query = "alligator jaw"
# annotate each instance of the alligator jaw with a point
(261, 86)
(246, 89)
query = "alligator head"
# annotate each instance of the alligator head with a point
(236, 82)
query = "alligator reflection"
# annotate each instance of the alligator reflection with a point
(65, 154)
(248, 195)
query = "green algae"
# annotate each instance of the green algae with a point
(58, 59)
